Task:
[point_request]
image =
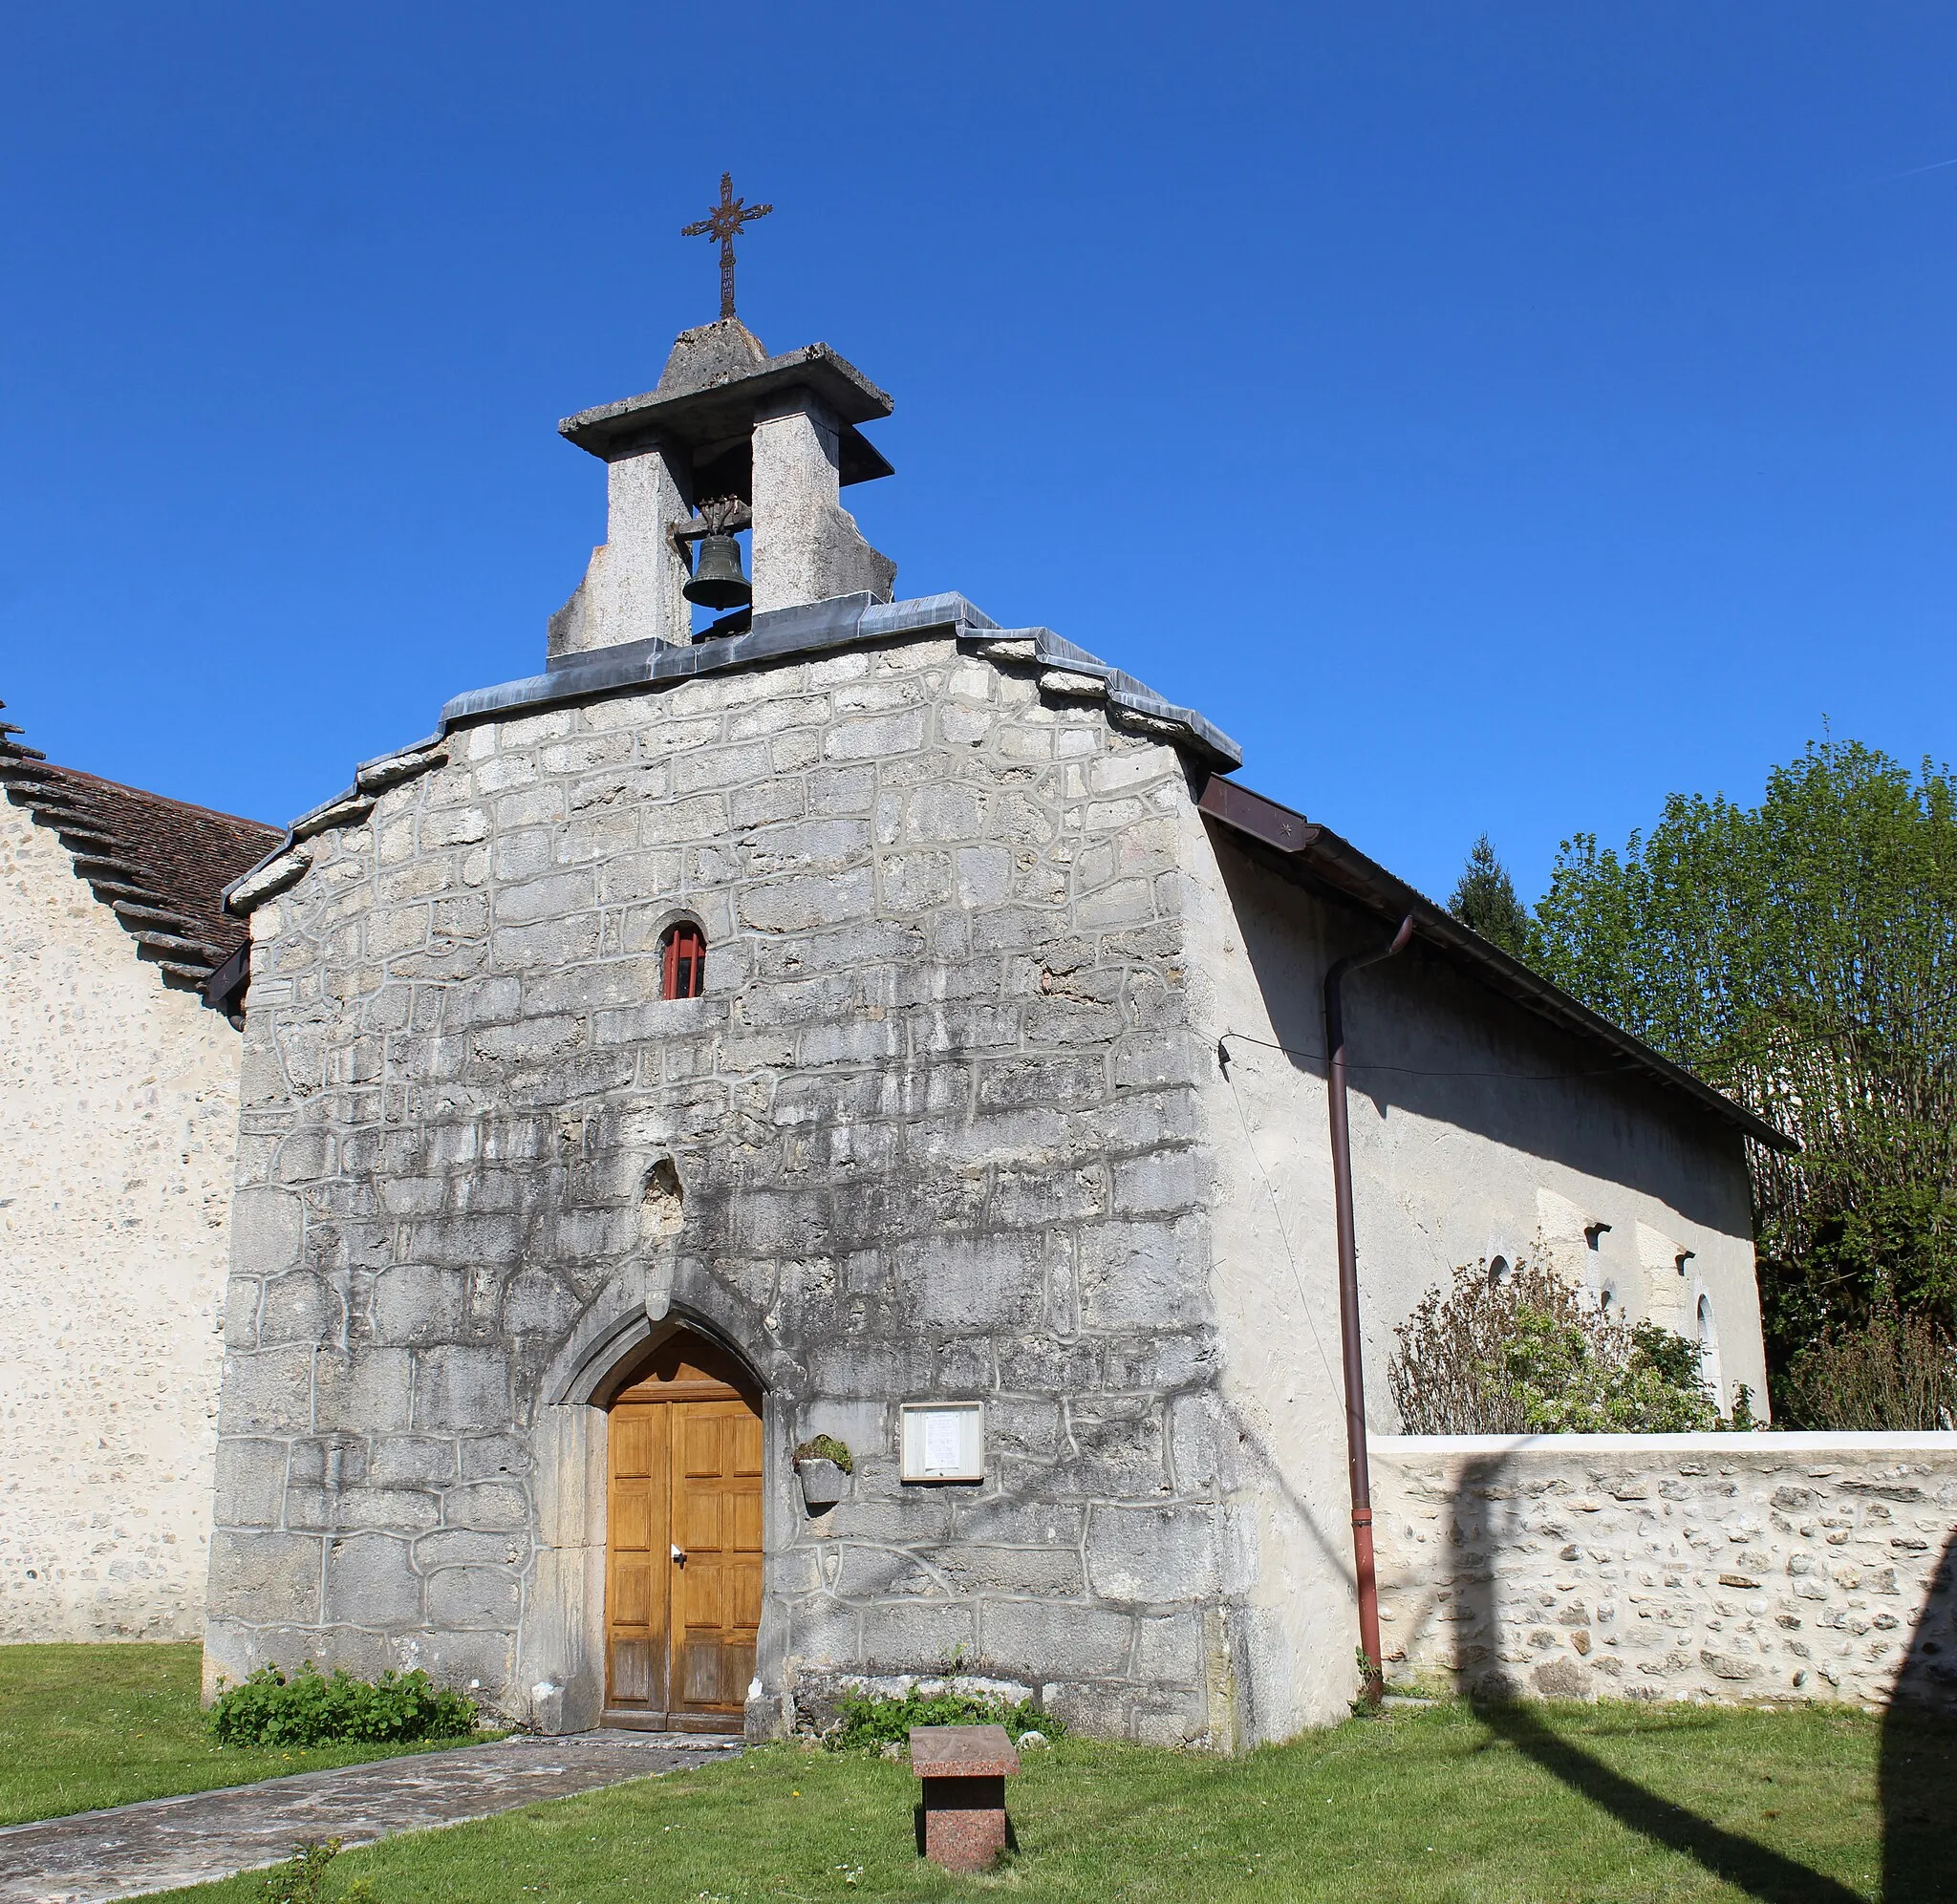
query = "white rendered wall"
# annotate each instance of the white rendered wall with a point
(1277, 1306)
(1488, 1132)
(119, 1100)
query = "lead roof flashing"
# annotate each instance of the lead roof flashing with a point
(1336, 862)
(843, 622)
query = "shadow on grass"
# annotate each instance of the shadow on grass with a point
(1755, 1869)
(1490, 1500)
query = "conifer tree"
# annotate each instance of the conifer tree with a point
(1485, 901)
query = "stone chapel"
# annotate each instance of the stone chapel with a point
(854, 1018)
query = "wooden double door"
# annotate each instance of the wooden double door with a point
(683, 1561)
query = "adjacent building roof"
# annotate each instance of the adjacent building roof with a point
(160, 865)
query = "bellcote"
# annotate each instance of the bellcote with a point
(730, 435)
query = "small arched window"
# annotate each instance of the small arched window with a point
(683, 962)
(1497, 1269)
(1709, 1371)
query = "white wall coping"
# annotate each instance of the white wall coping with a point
(1767, 1442)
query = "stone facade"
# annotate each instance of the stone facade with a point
(1754, 1568)
(935, 1130)
(119, 1097)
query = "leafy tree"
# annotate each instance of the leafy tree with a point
(1802, 955)
(1485, 901)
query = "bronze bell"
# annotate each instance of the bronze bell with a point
(717, 582)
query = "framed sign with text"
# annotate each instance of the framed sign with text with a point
(943, 1441)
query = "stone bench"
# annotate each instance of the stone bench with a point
(964, 1769)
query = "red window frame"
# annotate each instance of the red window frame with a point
(683, 968)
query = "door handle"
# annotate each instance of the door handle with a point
(679, 1556)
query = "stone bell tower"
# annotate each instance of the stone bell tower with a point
(732, 439)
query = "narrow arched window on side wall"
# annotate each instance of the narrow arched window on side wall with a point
(1709, 1371)
(683, 962)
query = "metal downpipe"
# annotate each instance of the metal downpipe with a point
(1348, 1308)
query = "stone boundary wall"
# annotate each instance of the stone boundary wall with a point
(1738, 1567)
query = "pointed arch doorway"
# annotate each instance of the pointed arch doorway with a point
(683, 1540)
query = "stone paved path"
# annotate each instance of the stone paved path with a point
(162, 1843)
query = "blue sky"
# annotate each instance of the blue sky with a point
(1495, 417)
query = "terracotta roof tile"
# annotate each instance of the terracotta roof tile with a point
(159, 865)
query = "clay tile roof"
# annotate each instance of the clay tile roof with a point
(159, 865)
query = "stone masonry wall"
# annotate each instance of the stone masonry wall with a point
(1763, 1566)
(935, 1135)
(118, 1100)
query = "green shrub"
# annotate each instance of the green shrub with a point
(870, 1720)
(1526, 1353)
(311, 1709)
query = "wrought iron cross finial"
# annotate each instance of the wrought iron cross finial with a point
(725, 219)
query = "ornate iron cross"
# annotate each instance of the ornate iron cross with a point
(725, 219)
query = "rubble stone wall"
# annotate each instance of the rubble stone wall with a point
(118, 1101)
(1762, 1567)
(935, 1135)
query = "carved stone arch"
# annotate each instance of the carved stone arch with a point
(701, 1302)
(676, 914)
(613, 1327)
(563, 1639)
(628, 1368)
(619, 1324)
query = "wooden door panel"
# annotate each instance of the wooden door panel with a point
(714, 1670)
(632, 1672)
(638, 1559)
(632, 1597)
(632, 1523)
(632, 1443)
(705, 1441)
(685, 1471)
(697, 1515)
(717, 1598)
(702, 1674)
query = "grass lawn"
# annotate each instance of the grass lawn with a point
(1616, 1803)
(85, 1726)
